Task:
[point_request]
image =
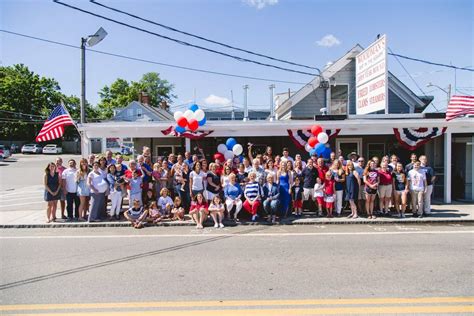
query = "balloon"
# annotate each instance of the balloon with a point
(307, 147)
(179, 129)
(316, 129)
(193, 124)
(313, 152)
(323, 138)
(230, 143)
(228, 154)
(327, 152)
(182, 121)
(222, 148)
(199, 115)
(312, 141)
(237, 149)
(177, 115)
(241, 158)
(188, 114)
(320, 148)
(202, 122)
(194, 108)
(219, 156)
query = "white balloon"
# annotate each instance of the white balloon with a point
(307, 147)
(199, 115)
(323, 138)
(188, 114)
(177, 115)
(228, 154)
(237, 149)
(222, 148)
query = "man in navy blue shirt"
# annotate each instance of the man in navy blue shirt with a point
(309, 174)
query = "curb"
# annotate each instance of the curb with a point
(244, 223)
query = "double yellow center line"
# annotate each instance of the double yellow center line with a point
(423, 305)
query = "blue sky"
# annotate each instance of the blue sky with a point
(440, 31)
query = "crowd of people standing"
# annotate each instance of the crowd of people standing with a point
(267, 186)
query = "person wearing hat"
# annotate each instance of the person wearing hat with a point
(353, 156)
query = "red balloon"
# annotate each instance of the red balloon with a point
(312, 141)
(316, 129)
(193, 124)
(182, 121)
(219, 156)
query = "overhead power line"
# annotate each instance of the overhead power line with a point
(430, 62)
(183, 42)
(151, 61)
(201, 37)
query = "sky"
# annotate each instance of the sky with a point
(309, 32)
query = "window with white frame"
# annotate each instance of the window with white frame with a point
(339, 99)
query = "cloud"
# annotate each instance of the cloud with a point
(216, 100)
(260, 4)
(328, 41)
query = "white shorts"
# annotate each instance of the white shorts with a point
(329, 198)
(385, 191)
(307, 194)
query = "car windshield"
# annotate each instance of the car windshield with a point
(30, 145)
(50, 146)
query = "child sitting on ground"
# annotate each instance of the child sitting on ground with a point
(154, 215)
(149, 197)
(319, 195)
(165, 203)
(136, 214)
(297, 197)
(216, 208)
(178, 210)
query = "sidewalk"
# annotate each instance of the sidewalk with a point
(452, 213)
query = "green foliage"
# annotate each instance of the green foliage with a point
(121, 93)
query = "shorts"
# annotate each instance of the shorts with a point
(385, 191)
(399, 192)
(308, 194)
(329, 198)
(370, 190)
(208, 195)
(329, 205)
(320, 200)
(298, 203)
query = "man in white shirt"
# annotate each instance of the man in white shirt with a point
(286, 155)
(70, 190)
(417, 184)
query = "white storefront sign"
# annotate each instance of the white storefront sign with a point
(372, 78)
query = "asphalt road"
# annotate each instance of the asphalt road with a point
(260, 270)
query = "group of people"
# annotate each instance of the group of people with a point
(265, 186)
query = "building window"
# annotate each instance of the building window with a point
(139, 112)
(339, 99)
(375, 149)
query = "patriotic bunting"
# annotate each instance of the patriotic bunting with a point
(412, 138)
(187, 134)
(300, 137)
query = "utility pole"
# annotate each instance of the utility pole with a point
(246, 109)
(83, 80)
(272, 105)
(232, 114)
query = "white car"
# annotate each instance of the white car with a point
(31, 149)
(4, 152)
(52, 149)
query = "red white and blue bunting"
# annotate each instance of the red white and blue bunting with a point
(300, 137)
(187, 134)
(412, 138)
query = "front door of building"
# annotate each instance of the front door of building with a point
(344, 146)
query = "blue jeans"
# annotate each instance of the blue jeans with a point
(271, 207)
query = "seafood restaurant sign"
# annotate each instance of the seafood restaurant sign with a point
(372, 78)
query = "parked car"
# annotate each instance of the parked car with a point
(4, 152)
(31, 149)
(52, 149)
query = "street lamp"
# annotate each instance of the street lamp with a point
(90, 41)
(448, 91)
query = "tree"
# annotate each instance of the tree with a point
(121, 93)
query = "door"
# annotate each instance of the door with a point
(344, 146)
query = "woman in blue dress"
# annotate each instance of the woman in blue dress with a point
(352, 188)
(284, 179)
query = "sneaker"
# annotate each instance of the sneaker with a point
(68, 219)
(216, 225)
(254, 218)
(221, 225)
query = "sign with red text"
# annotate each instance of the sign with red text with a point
(372, 78)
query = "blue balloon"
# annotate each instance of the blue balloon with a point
(202, 122)
(313, 152)
(180, 129)
(194, 107)
(320, 148)
(241, 158)
(230, 143)
(327, 152)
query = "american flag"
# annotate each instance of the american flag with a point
(54, 126)
(460, 105)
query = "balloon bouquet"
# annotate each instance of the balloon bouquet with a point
(229, 150)
(191, 119)
(317, 144)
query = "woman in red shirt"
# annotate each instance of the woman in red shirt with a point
(198, 210)
(385, 188)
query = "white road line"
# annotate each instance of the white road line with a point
(241, 234)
